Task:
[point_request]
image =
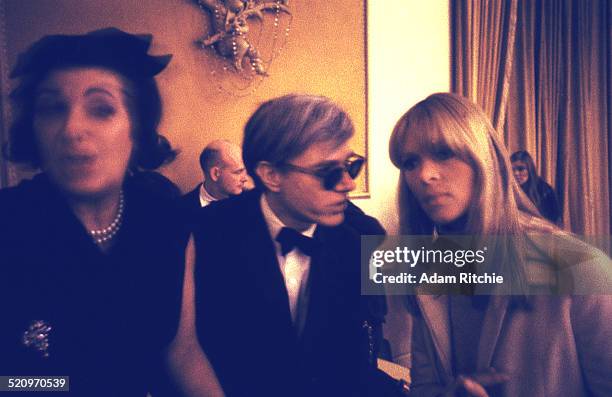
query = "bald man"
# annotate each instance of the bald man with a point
(223, 171)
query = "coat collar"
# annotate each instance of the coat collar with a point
(435, 314)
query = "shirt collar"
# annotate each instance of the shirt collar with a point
(205, 197)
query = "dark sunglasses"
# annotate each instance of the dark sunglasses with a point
(331, 176)
(519, 168)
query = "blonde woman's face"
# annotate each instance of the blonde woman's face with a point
(440, 181)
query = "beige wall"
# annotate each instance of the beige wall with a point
(409, 58)
(408, 47)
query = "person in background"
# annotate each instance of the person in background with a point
(92, 260)
(546, 336)
(538, 191)
(223, 171)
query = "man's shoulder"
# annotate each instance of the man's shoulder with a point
(192, 196)
(194, 192)
(232, 203)
(361, 222)
(232, 211)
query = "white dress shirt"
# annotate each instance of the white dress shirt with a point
(295, 266)
(205, 197)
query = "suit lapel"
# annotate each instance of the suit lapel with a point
(195, 197)
(191, 200)
(491, 328)
(318, 309)
(264, 270)
(435, 314)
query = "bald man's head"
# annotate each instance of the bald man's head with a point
(224, 172)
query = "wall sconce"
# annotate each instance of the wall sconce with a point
(230, 24)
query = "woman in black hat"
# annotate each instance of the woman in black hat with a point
(92, 260)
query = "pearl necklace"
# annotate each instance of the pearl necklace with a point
(100, 236)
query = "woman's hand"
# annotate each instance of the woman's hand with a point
(475, 384)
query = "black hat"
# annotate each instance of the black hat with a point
(110, 48)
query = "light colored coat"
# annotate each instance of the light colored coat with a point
(560, 346)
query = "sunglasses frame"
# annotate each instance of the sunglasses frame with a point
(354, 162)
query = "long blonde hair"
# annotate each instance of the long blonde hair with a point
(498, 206)
(460, 125)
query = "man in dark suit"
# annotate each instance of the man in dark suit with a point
(277, 279)
(223, 171)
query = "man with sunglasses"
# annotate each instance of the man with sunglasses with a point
(277, 279)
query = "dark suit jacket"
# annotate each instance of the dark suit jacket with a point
(191, 201)
(362, 223)
(243, 317)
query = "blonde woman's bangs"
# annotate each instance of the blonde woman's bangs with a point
(430, 131)
(449, 132)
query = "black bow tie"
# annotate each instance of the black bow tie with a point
(291, 238)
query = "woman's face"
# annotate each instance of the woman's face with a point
(441, 182)
(83, 130)
(521, 172)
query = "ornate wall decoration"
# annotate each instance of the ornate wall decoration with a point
(232, 38)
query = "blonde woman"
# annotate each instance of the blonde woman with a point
(532, 339)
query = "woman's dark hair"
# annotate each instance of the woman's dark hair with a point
(531, 186)
(112, 49)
